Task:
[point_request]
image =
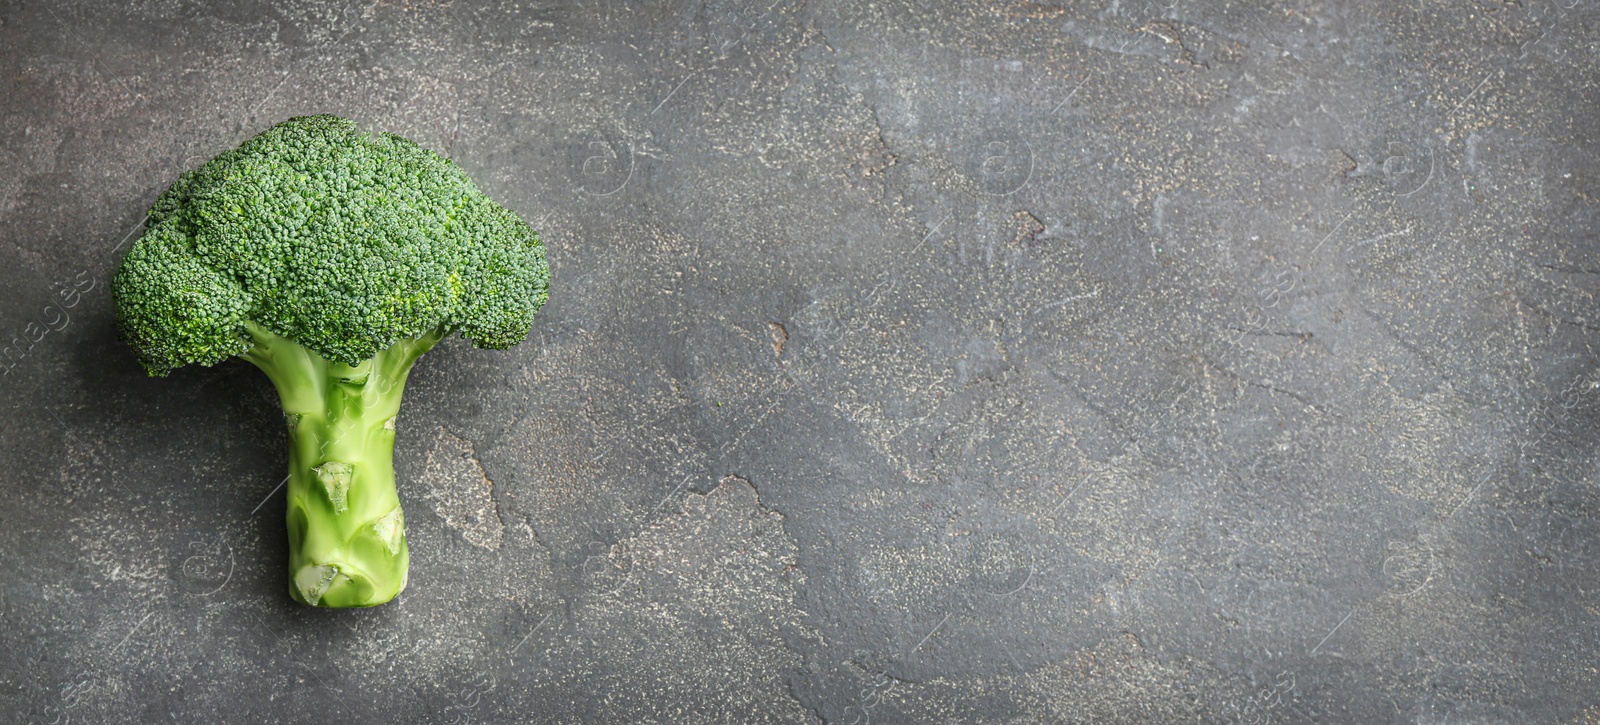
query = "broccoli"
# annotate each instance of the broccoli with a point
(331, 259)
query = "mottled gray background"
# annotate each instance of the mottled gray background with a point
(1023, 361)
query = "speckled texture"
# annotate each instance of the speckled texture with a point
(461, 493)
(1007, 362)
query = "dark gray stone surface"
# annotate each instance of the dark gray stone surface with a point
(1026, 361)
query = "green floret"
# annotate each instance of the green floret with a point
(346, 243)
(174, 309)
(331, 259)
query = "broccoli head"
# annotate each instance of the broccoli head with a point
(331, 259)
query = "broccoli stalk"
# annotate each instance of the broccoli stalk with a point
(347, 545)
(331, 260)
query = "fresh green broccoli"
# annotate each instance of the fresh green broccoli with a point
(331, 259)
